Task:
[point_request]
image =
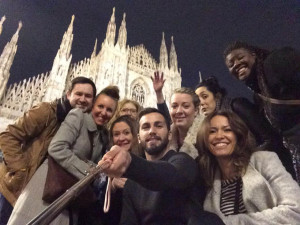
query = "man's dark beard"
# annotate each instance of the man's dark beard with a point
(157, 149)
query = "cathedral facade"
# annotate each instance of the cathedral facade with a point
(129, 68)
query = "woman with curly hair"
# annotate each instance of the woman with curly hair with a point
(245, 186)
(274, 77)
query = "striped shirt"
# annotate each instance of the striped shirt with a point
(231, 197)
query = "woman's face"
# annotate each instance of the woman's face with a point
(240, 63)
(103, 109)
(129, 109)
(183, 111)
(207, 100)
(122, 135)
(221, 139)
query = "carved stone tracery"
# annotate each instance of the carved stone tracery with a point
(130, 68)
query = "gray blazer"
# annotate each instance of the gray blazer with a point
(71, 146)
(270, 194)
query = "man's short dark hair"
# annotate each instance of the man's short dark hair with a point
(83, 80)
(149, 110)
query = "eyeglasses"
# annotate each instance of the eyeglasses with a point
(126, 110)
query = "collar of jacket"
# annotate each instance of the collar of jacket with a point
(93, 127)
(189, 142)
(252, 81)
(63, 108)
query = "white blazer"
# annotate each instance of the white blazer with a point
(270, 194)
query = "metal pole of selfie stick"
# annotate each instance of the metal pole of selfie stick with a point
(56, 207)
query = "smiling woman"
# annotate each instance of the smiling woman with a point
(274, 78)
(123, 132)
(80, 142)
(103, 109)
(186, 120)
(184, 109)
(240, 63)
(221, 138)
(245, 186)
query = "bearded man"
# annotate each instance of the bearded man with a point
(163, 188)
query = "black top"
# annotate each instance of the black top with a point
(160, 192)
(278, 77)
(282, 73)
(164, 109)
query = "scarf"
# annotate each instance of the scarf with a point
(189, 142)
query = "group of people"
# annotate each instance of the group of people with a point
(205, 159)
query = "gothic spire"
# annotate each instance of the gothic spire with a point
(111, 29)
(95, 49)
(200, 77)
(1, 22)
(122, 38)
(173, 57)
(15, 37)
(163, 57)
(60, 67)
(66, 44)
(6, 59)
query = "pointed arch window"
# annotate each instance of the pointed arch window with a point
(138, 94)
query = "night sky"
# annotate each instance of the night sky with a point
(201, 30)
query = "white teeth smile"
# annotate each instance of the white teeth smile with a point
(220, 144)
(241, 70)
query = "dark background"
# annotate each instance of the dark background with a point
(201, 30)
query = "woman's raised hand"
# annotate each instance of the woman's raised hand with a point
(158, 84)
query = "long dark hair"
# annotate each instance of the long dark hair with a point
(241, 154)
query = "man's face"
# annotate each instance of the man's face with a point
(240, 63)
(153, 134)
(81, 97)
